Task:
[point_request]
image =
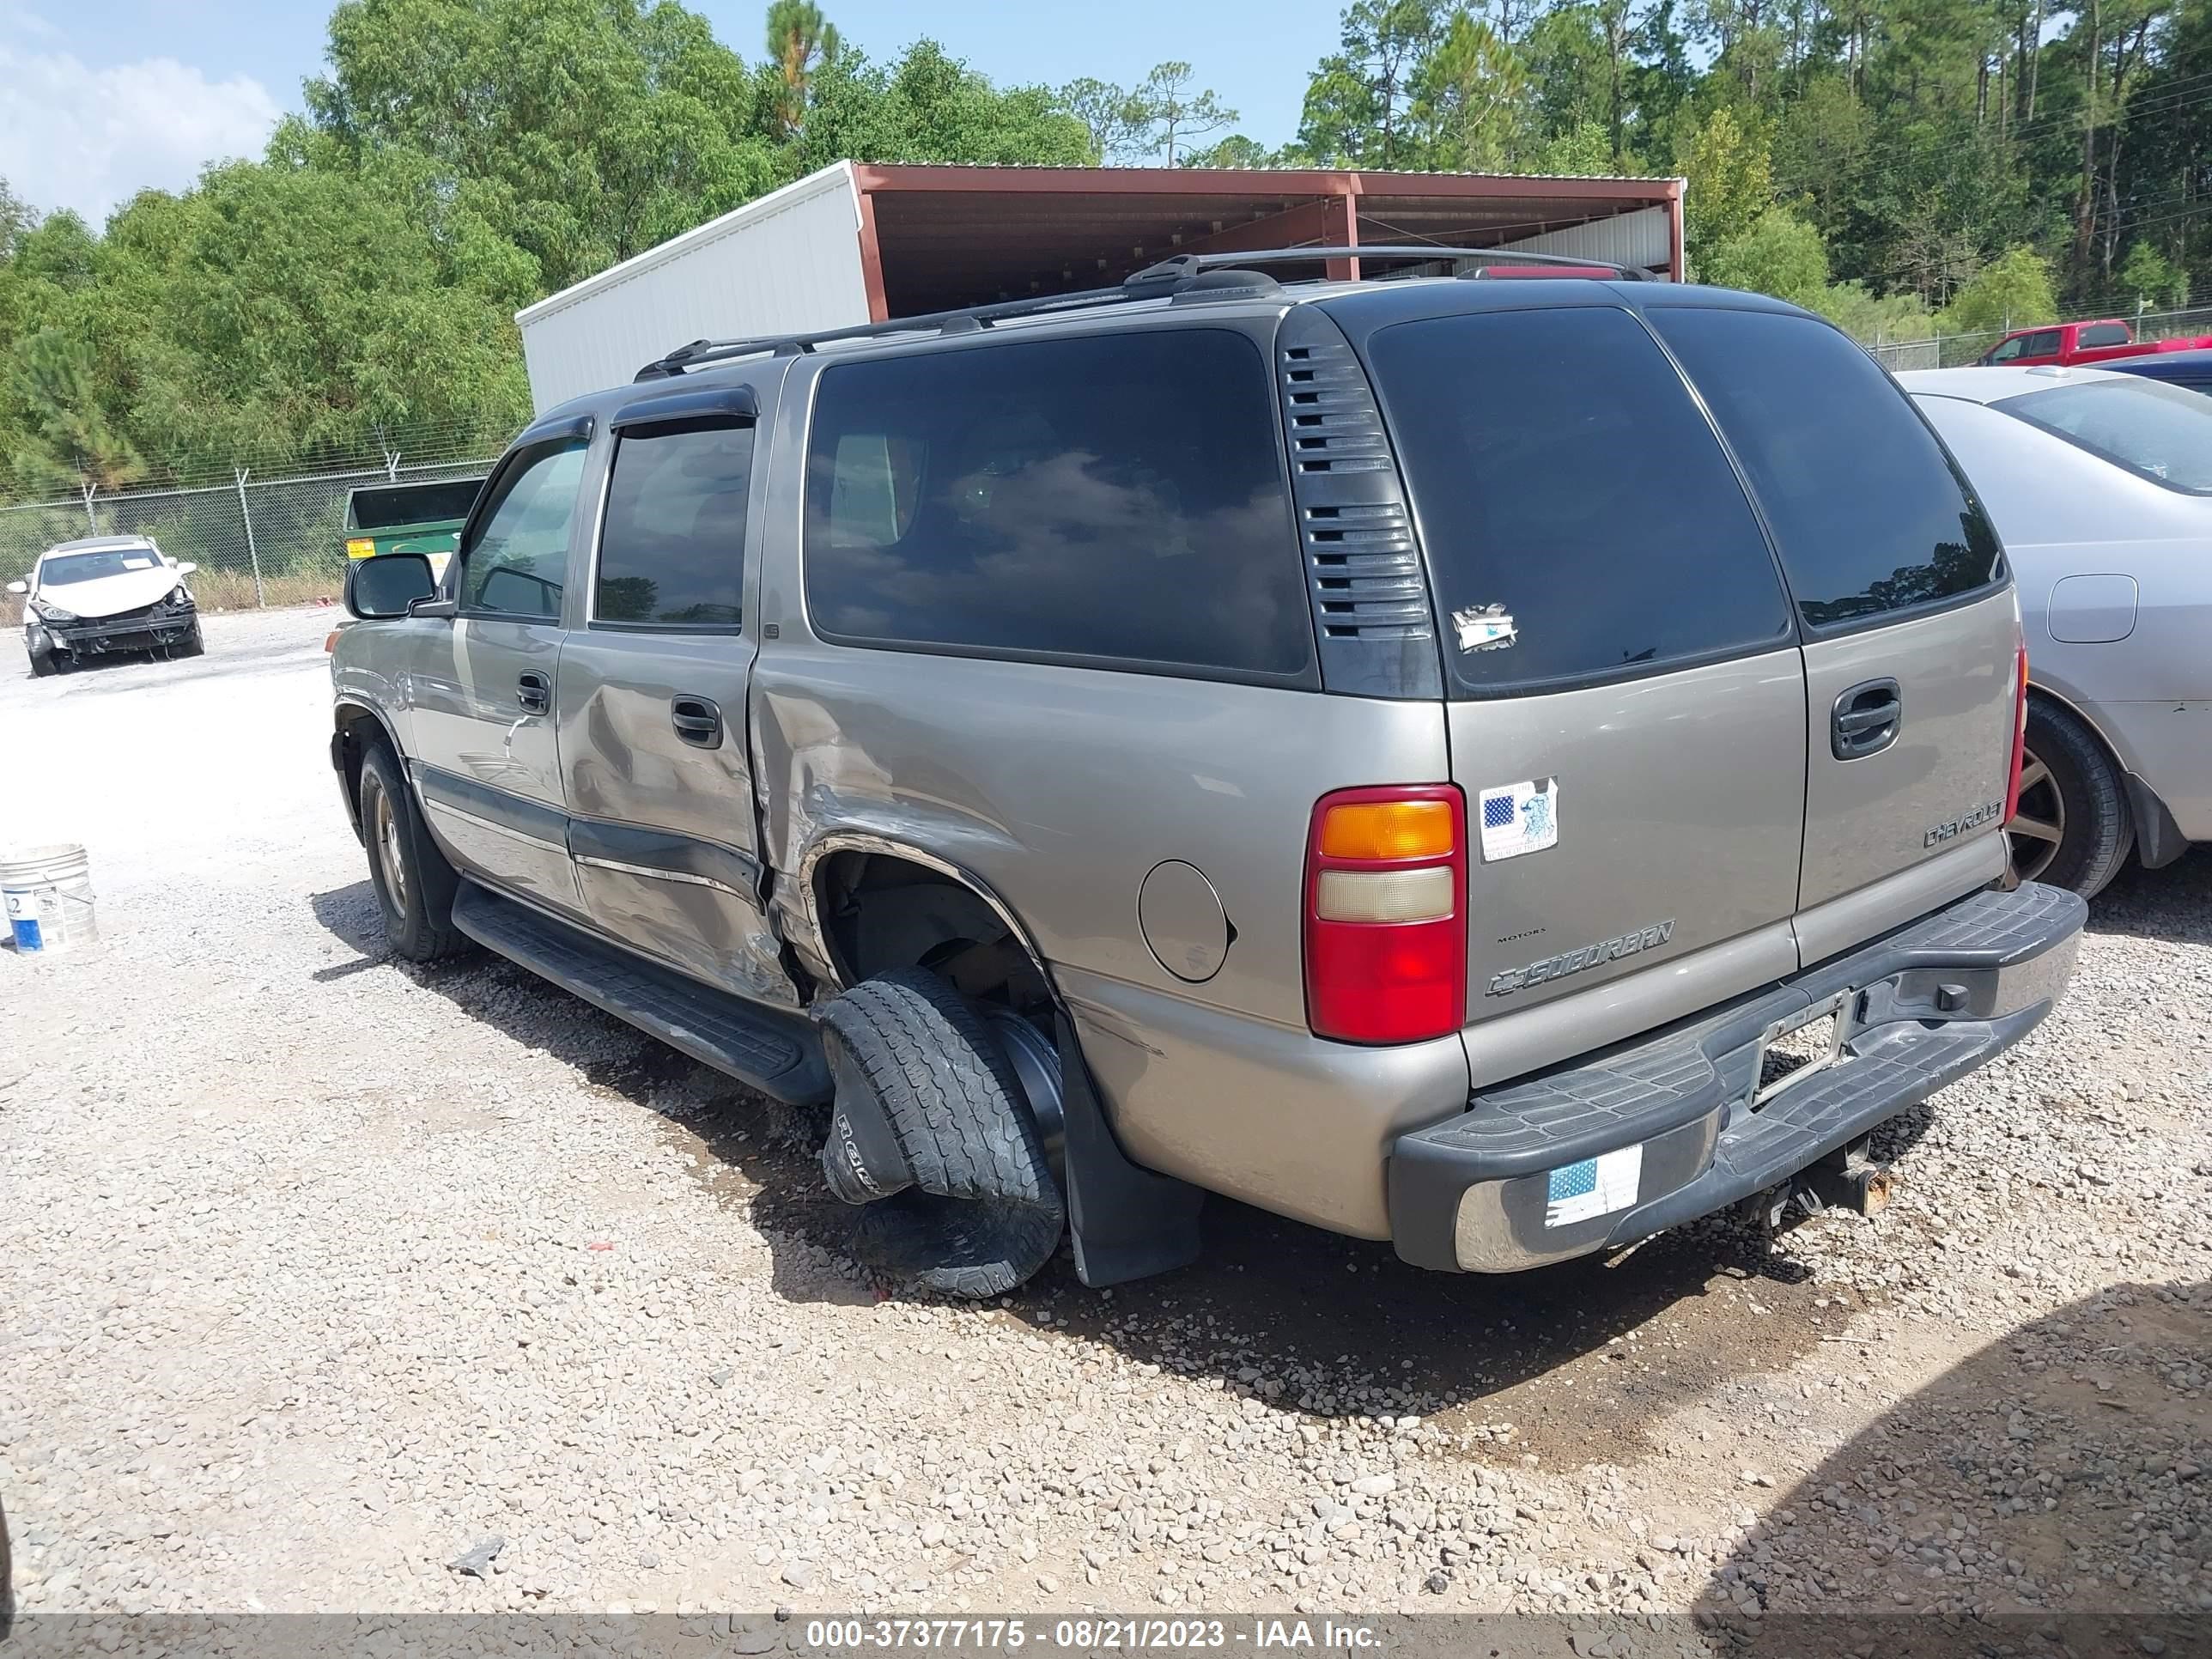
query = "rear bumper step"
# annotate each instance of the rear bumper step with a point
(779, 1054)
(1663, 1130)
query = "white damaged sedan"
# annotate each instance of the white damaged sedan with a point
(107, 593)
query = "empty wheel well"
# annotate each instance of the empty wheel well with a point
(881, 913)
(357, 729)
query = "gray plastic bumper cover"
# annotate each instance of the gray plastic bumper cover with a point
(1663, 1129)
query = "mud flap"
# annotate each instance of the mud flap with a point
(1126, 1222)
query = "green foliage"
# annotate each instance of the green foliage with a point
(2012, 291)
(1731, 181)
(1175, 113)
(458, 160)
(1875, 318)
(1779, 254)
(2150, 279)
(799, 41)
(928, 106)
(1113, 116)
(1238, 151)
(1898, 165)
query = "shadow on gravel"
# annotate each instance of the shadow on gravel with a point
(2052, 1494)
(2174, 903)
(1567, 1363)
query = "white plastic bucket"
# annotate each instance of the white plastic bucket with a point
(47, 894)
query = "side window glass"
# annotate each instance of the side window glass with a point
(1893, 527)
(2008, 350)
(2045, 344)
(519, 561)
(1580, 518)
(2104, 334)
(1117, 498)
(672, 550)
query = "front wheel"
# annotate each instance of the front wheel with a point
(2072, 827)
(43, 664)
(414, 884)
(192, 645)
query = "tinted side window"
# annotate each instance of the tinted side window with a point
(519, 561)
(1118, 497)
(1867, 511)
(1561, 472)
(672, 550)
(2103, 334)
(2045, 344)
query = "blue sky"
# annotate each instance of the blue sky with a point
(102, 97)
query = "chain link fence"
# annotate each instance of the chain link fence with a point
(256, 541)
(1955, 350)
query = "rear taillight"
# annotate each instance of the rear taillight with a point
(1385, 913)
(2019, 731)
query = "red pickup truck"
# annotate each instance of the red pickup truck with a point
(2079, 342)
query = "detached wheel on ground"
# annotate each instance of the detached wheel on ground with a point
(931, 1134)
(414, 884)
(2073, 828)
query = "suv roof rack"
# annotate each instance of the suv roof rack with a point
(1182, 273)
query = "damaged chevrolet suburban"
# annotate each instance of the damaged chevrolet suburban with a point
(1505, 766)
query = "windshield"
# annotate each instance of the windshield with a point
(60, 569)
(2157, 431)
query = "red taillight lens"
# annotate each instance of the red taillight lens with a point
(2019, 732)
(1385, 913)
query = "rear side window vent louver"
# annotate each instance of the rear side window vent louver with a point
(1363, 573)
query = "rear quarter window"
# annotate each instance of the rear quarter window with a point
(1113, 499)
(1867, 511)
(1561, 472)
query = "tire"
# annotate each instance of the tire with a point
(2073, 828)
(192, 645)
(43, 664)
(414, 884)
(984, 1212)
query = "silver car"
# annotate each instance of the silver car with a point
(2100, 483)
(1505, 766)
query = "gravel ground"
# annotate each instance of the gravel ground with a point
(324, 1271)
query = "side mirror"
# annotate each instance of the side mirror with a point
(381, 589)
(186, 568)
(18, 587)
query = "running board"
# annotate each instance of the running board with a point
(776, 1053)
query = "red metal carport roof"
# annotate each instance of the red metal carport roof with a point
(934, 237)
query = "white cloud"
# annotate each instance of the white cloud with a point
(90, 139)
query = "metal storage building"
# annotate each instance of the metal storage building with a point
(862, 242)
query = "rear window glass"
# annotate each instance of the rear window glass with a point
(1869, 513)
(1119, 497)
(672, 552)
(407, 504)
(1561, 473)
(2158, 431)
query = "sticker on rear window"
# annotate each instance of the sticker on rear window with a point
(1520, 818)
(137, 564)
(1484, 627)
(1596, 1186)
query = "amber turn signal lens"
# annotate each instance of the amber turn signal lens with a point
(1387, 830)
